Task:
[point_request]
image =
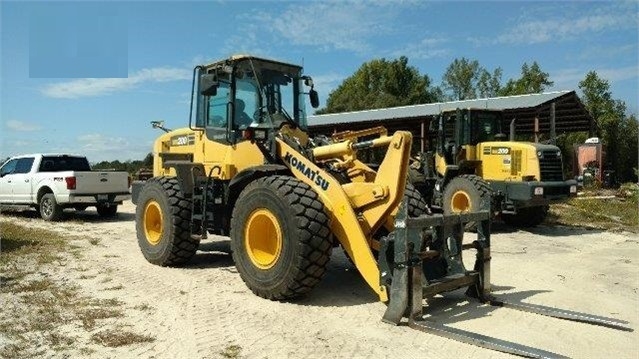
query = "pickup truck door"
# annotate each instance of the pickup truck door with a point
(21, 181)
(6, 181)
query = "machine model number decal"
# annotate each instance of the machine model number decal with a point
(308, 172)
(500, 151)
(182, 140)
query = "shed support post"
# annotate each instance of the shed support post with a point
(553, 133)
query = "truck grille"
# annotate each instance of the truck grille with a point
(550, 167)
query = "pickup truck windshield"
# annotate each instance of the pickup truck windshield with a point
(64, 163)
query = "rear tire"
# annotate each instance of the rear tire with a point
(527, 217)
(280, 237)
(49, 208)
(107, 210)
(163, 223)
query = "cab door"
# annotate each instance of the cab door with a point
(21, 181)
(6, 181)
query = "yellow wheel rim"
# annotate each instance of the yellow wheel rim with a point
(263, 238)
(460, 202)
(153, 222)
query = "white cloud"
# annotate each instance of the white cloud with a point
(99, 147)
(540, 31)
(566, 79)
(22, 126)
(331, 25)
(102, 86)
(325, 84)
(428, 48)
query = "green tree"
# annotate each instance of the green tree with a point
(617, 131)
(382, 83)
(465, 79)
(532, 80)
(489, 85)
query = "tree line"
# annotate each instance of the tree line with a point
(382, 83)
(131, 166)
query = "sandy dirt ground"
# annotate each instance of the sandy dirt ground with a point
(203, 309)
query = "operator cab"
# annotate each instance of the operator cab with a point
(246, 93)
(467, 127)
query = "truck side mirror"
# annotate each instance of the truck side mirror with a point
(314, 97)
(208, 85)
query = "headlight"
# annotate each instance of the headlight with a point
(539, 154)
(539, 191)
(558, 153)
(573, 189)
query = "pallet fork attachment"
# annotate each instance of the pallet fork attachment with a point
(409, 285)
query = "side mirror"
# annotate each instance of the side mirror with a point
(208, 85)
(314, 97)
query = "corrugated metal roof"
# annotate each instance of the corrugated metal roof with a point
(431, 109)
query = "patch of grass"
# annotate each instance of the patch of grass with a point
(231, 351)
(89, 316)
(117, 338)
(94, 241)
(111, 256)
(117, 287)
(606, 213)
(144, 307)
(59, 341)
(40, 245)
(36, 308)
(34, 286)
(87, 276)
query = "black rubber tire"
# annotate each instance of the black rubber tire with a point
(107, 211)
(49, 208)
(416, 203)
(175, 246)
(306, 237)
(526, 217)
(478, 191)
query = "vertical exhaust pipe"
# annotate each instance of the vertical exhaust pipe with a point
(512, 130)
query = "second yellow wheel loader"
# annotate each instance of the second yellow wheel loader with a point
(247, 169)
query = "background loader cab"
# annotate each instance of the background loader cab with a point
(471, 159)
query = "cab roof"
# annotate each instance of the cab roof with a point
(243, 57)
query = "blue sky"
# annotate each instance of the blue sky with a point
(88, 77)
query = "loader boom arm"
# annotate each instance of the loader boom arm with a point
(356, 209)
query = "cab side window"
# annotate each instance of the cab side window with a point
(8, 167)
(24, 165)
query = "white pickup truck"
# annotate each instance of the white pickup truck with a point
(52, 182)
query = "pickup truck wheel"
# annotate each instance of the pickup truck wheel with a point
(105, 210)
(50, 210)
(163, 223)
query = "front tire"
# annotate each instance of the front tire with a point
(280, 237)
(163, 223)
(466, 193)
(49, 208)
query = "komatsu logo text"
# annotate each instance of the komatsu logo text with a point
(311, 174)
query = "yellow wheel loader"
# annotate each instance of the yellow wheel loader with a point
(246, 168)
(470, 159)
